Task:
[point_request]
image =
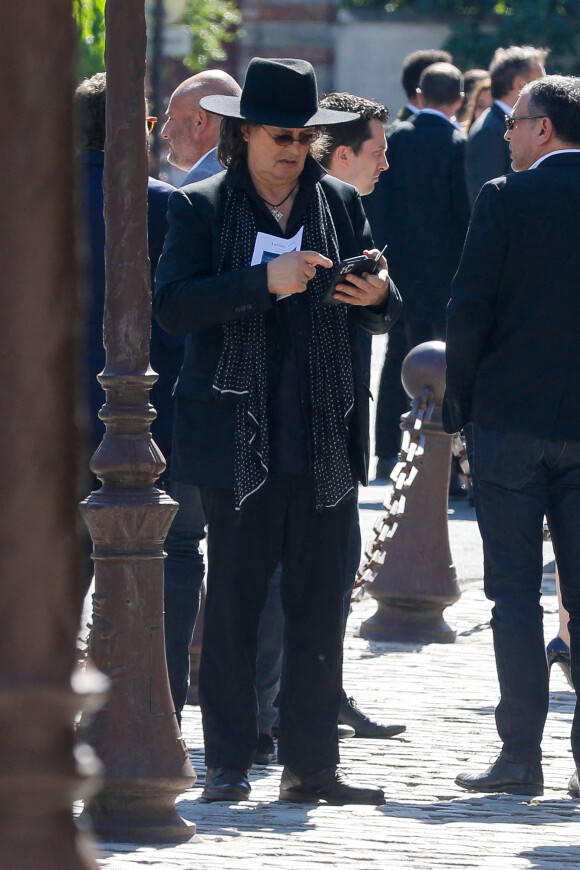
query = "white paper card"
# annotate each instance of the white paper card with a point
(269, 247)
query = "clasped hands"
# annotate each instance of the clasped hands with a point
(290, 273)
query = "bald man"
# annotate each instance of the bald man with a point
(193, 133)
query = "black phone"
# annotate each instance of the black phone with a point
(351, 266)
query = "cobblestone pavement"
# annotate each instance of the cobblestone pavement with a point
(446, 695)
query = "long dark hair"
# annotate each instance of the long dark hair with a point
(232, 147)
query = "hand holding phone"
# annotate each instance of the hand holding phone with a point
(351, 266)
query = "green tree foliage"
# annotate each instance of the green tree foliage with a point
(89, 17)
(478, 27)
(212, 23)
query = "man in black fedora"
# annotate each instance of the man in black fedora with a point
(272, 417)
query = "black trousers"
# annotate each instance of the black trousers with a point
(280, 524)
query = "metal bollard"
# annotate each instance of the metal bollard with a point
(417, 579)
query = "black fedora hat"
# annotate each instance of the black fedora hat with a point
(281, 92)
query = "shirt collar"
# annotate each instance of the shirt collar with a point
(440, 115)
(413, 109)
(551, 154)
(201, 159)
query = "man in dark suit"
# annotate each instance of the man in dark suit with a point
(487, 154)
(420, 208)
(513, 380)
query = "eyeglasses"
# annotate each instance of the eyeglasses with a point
(150, 121)
(285, 139)
(510, 122)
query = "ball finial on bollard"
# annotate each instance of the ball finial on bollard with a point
(424, 366)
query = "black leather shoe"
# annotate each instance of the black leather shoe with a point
(226, 784)
(307, 785)
(510, 777)
(363, 725)
(574, 785)
(265, 750)
(558, 653)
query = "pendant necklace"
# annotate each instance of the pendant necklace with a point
(274, 209)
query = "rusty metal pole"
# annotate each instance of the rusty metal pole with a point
(417, 579)
(136, 735)
(40, 573)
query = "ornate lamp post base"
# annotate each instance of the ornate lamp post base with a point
(136, 734)
(139, 811)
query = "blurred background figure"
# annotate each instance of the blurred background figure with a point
(471, 81)
(487, 153)
(413, 66)
(420, 207)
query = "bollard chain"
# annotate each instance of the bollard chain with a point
(402, 475)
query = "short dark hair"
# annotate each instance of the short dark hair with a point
(507, 63)
(416, 62)
(441, 84)
(353, 134)
(89, 105)
(558, 98)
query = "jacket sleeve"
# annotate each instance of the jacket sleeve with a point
(472, 307)
(376, 320)
(188, 295)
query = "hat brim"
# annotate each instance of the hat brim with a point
(229, 107)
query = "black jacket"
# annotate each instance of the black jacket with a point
(420, 208)
(191, 298)
(513, 354)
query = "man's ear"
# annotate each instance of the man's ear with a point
(340, 161)
(200, 120)
(457, 104)
(420, 98)
(342, 155)
(546, 131)
(518, 83)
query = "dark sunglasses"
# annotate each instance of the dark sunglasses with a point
(285, 139)
(510, 122)
(150, 121)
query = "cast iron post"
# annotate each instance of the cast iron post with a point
(136, 735)
(40, 573)
(417, 579)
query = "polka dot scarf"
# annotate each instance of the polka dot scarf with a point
(242, 369)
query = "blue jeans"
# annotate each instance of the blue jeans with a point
(184, 570)
(517, 479)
